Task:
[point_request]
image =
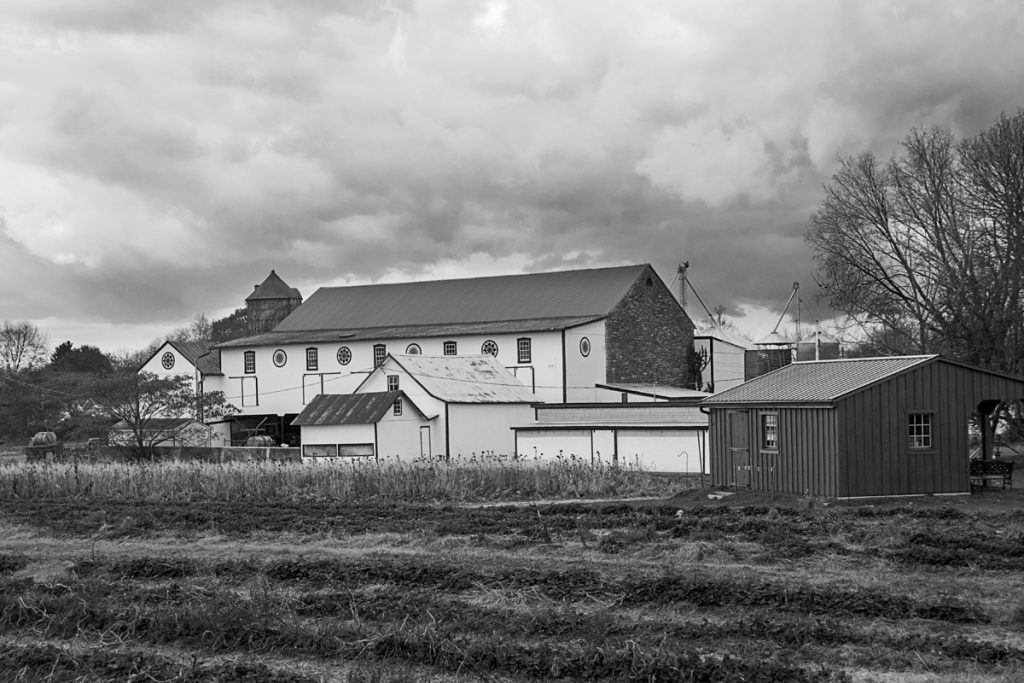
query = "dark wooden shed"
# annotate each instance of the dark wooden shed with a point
(854, 427)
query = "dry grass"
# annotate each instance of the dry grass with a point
(356, 481)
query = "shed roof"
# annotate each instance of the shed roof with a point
(663, 391)
(273, 288)
(464, 379)
(564, 294)
(817, 381)
(347, 409)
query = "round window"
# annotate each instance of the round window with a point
(280, 358)
(584, 347)
(413, 349)
(489, 348)
(167, 360)
(344, 355)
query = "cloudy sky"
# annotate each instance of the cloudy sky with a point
(157, 159)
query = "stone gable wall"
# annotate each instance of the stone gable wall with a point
(650, 337)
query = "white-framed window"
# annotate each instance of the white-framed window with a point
(392, 382)
(380, 352)
(451, 348)
(919, 430)
(312, 358)
(397, 408)
(524, 350)
(489, 348)
(770, 431)
(249, 360)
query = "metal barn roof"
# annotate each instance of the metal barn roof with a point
(347, 409)
(563, 294)
(465, 379)
(817, 381)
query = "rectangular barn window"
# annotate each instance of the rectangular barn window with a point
(919, 430)
(392, 382)
(380, 352)
(397, 407)
(523, 347)
(320, 450)
(249, 358)
(770, 431)
(450, 348)
(312, 358)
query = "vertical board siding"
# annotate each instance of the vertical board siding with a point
(861, 446)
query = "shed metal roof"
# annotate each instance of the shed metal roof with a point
(664, 391)
(817, 381)
(347, 409)
(563, 294)
(465, 379)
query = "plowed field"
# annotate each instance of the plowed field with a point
(681, 589)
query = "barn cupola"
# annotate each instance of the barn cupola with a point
(270, 303)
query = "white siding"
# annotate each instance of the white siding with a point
(485, 427)
(182, 366)
(545, 446)
(662, 450)
(400, 435)
(287, 389)
(584, 372)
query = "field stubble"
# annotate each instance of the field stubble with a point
(215, 583)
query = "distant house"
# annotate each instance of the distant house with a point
(163, 431)
(853, 428)
(193, 359)
(367, 425)
(661, 436)
(472, 402)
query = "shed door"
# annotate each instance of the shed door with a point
(739, 447)
(425, 451)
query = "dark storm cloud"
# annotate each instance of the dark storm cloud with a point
(159, 159)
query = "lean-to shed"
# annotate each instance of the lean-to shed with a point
(853, 427)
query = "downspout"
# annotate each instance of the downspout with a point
(565, 381)
(376, 448)
(447, 436)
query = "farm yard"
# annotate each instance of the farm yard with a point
(283, 572)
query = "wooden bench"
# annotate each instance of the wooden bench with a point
(985, 471)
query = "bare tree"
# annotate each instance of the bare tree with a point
(22, 346)
(153, 410)
(926, 251)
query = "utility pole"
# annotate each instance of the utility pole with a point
(683, 267)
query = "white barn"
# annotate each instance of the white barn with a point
(560, 334)
(472, 401)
